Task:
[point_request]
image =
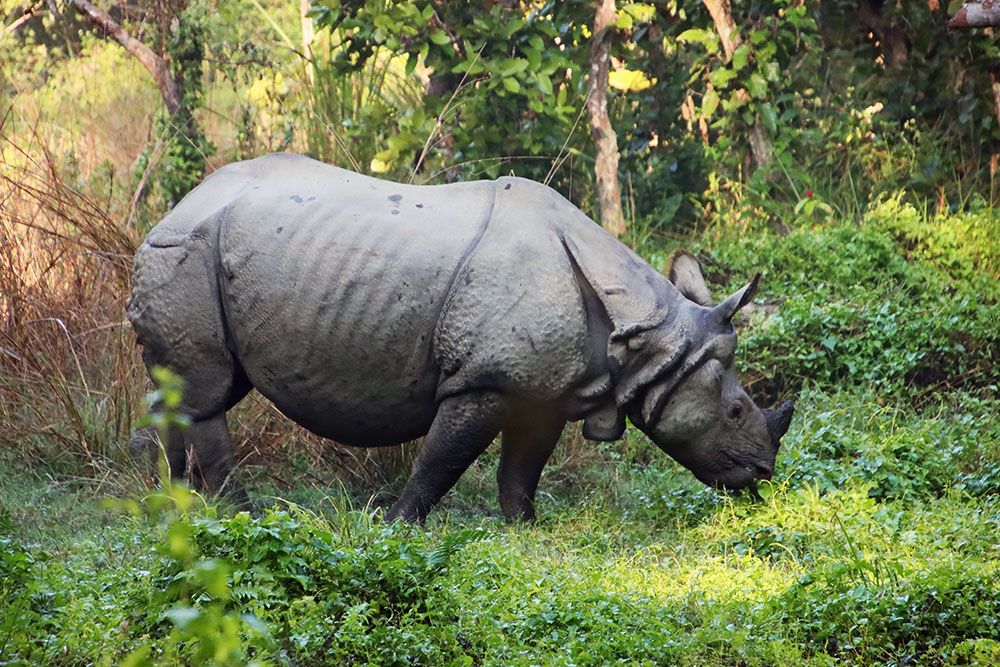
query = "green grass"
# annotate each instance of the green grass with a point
(632, 562)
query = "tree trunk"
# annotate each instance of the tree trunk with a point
(976, 15)
(722, 16)
(605, 139)
(153, 63)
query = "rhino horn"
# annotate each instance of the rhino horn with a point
(777, 421)
(724, 311)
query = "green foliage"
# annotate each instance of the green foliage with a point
(489, 72)
(194, 591)
(764, 80)
(180, 160)
(902, 302)
(898, 452)
(17, 567)
(350, 593)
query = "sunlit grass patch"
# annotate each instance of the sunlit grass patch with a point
(708, 579)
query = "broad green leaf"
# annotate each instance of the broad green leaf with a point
(513, 66)
(709, 103)
(757, 86)
(534, 57)
(182, 616)
(740, 57)
(440, 37)
(418, 119)
(642, 12)
(773, 71)
(511, 84)
(721, 77)
(769, 118)
(704, 37)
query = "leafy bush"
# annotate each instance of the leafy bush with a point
(17, 569)
(848, 613)
(899, 302)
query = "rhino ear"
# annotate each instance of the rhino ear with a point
(724, 311)
(684, 271)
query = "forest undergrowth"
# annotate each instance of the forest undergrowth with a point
(878, 541)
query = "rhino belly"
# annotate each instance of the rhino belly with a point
(332, 302)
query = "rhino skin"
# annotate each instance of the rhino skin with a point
(373, 313)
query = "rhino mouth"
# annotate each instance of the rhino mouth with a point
(735, 473)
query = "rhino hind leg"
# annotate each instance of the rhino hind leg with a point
(178, 318)
(146, 446)
(463, 428)
(202, 453)
(529, 437)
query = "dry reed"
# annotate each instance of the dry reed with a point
(71, 380)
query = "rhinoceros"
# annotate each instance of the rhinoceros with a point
(374, 313)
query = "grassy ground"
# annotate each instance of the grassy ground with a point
(632, 562)
(878, 543)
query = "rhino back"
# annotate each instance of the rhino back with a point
(517, 319)
(332, 284)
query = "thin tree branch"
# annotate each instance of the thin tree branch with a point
(27, 15)
(154, 64)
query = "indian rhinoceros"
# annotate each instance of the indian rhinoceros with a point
(374, 313)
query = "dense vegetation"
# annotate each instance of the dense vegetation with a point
(874, 224)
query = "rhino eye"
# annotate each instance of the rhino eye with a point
(735, 412)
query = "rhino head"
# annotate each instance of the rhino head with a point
(699, 413)
(674, 376)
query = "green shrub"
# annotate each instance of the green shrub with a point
(898, 451)
(900, 302)
(844, 612)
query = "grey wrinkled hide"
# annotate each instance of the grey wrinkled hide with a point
(374, 313)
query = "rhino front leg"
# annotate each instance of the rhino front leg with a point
(145, 444)
(529, 437)
(463, 428)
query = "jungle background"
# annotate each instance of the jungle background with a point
(846, 149)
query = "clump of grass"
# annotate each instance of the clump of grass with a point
(69, 378)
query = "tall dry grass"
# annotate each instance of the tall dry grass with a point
(71, 378)
(68, 371)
